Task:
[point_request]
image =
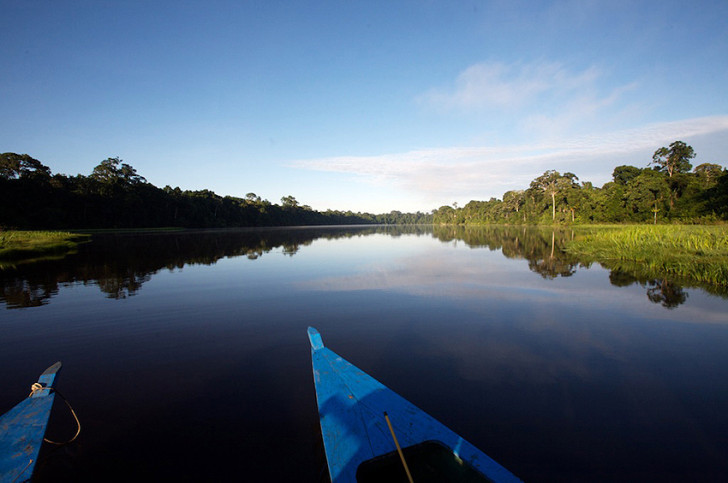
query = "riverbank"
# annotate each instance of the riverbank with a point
(690, 252)
(695, 252)
(16, 245)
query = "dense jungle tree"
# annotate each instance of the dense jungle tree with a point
(114, 171)
(513, 200)
(289, 202)
(646, 193)
(445, 215)
(553, 183)
(622, 175)
(675, 159)
(14, 166)
(708, 174)
(715, 198)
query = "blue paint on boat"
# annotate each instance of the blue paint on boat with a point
(23, 427)
(351, 409)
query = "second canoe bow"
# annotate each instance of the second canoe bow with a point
(23, 428)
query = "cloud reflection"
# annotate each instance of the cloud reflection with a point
(481, 277)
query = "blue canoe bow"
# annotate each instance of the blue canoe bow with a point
(359, 445)
(22, 429)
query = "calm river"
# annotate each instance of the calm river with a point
(186, 357)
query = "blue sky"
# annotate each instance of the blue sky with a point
(362, 105)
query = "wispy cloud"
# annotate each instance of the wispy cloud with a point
(485, 171)
(553, 116)
(509, 86)
(538, 99)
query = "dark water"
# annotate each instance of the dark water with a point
(186, 356)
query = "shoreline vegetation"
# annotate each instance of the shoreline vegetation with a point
(690, 252)
(120, 262)
(23, 245)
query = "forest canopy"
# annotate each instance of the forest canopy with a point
(114, 195)
(668, 189)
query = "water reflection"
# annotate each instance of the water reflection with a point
(660, 291)
(119, 265)
(543, 248)
(452, 319)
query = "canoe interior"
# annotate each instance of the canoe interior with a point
(428, 462)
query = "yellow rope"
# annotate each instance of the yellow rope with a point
(399, 450)
(78, 424)
(37, 386)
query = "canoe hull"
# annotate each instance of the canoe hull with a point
(23, 427)
(351, 409)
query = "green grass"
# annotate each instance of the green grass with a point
(698, 253)
(164, 229)
(27, 244)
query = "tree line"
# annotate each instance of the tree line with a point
(114, 195)
(667, 190)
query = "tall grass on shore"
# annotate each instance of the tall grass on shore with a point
(699, 253)
(25, 244)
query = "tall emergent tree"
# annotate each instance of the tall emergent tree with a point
(708, 173)
(513, 200)
(14, 165)
(623, 175)
(552, 183)
(109, 171)
(675, 159)
(289, 202)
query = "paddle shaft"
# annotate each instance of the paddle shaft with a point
(399, 450)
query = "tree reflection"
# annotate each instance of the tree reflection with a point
(541, 247)
(552, 267)
(17, 292)
(121, 264)
(619, 278)
(121, 287)
(666, 293)
(663, 291)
